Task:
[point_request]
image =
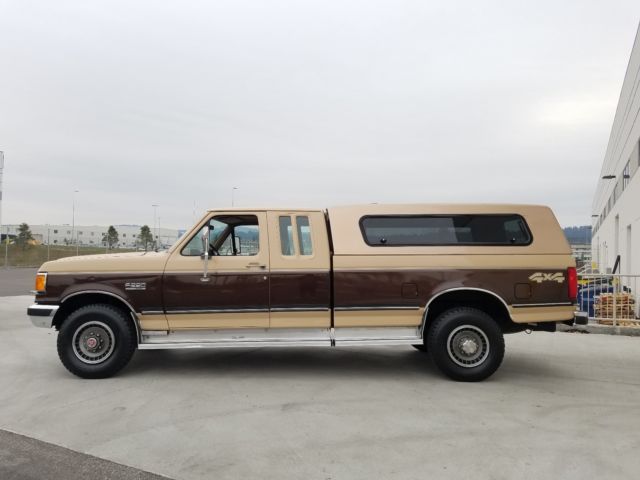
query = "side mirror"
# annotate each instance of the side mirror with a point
(205, 253)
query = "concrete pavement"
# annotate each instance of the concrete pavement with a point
(561, 406)
(24, 458)
(17, 281)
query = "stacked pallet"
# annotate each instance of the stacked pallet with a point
(623, 304)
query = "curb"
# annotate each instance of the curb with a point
(600, 330)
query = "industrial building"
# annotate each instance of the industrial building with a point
(616, 203)
(92, 235)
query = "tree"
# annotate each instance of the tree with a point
(24, 235)
(111, 237)
(145, 238)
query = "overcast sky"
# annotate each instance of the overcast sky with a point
(311, 103)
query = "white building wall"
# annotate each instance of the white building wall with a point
(616, 203)
(91, 235)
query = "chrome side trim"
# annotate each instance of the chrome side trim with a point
(152, 312)
(301, 271)
(377, 336)
(42, 315)
(300, 309)
(300, 337)
(217, 310)
(457, 289)
(238, 338)
(376, 307)
(525, 305)
(132, 310)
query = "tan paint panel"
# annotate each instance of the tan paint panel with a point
(132, 262)
(468, 261)
(218, 320)
(319, 238)
(542, 314)
(548, 237)
(153, 322)
(378, 318)
(300, 319)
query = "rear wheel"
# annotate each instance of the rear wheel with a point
(96, 341)
(466, 344)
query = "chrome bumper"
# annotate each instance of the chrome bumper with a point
(42, 315)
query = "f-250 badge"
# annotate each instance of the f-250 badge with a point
(540, 277)
(135, 286)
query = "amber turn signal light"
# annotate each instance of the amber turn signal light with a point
(41, 282)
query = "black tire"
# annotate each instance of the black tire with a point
(420, 346)
(466, 344)
(96, 341)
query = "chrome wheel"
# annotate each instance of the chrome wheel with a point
(93, 342)
(468, 346)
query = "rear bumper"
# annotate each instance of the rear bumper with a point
(42, 315)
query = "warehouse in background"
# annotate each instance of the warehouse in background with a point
(616, 203)
(93, 235)
(609, 291)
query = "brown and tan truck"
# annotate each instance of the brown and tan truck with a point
(447, 279)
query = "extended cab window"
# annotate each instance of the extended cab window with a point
(229, 235)
(476, 229)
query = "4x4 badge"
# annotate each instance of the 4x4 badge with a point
(547, 277)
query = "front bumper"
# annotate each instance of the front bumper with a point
(42, 315)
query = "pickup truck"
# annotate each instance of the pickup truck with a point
(447, 279)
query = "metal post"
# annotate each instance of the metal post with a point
(1, 171)
(73, 220)
(233, 191)
(48, 242)
(155, 212)
(6, 249)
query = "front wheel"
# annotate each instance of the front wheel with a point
(466, 344)
(96, 341)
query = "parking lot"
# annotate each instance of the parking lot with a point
(562, 406)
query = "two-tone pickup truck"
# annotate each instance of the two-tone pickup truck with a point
(447, 279)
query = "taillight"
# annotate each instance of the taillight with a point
(572, 280)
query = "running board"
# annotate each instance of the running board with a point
(276, 337)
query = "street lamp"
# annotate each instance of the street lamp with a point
(73, 220)
(155, 212)
(233, 191)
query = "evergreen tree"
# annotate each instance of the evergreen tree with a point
(111, 237)
(24, 235)
(145, 238)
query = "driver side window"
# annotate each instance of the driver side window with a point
(229, 235)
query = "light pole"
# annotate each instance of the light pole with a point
(73, 220)
(233, 191)
(155, 211)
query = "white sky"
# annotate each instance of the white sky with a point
(310, 103)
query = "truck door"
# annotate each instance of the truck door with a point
(300, 270)
(236, 292)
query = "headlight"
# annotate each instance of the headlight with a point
(41, 282)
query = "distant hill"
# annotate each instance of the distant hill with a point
(578, 234)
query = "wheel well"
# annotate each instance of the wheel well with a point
(82, 299)
(484, 301)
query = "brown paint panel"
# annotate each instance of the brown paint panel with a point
(384, 288)
(60, 286)
(303, 290)
(186, 291)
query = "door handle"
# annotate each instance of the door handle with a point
(256, 265)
